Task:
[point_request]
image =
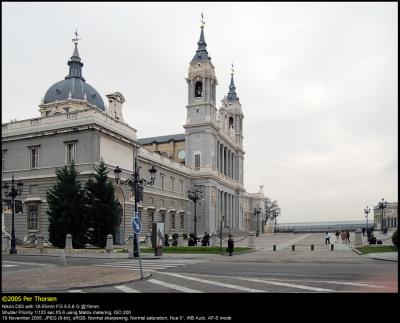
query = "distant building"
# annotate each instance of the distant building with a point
(388, 219)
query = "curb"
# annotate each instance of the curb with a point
(238, 253)
(357, 251)
(382, 259)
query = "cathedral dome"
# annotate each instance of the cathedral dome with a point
(74, 88)
(74, 85)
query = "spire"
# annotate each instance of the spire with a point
(201, 52)
(232, 94)
(75, 64)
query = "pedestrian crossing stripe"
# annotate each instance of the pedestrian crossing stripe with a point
(3, 265)
(17, 263)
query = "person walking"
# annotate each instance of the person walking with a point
(337, 234)
(327, 238)
(363, 231)
(344, 236)
(348, 236)
(231, 245)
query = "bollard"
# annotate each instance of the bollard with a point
(358, 238)
(39, 243)
(6, 243)
(130, 245)
(109, 245)
(252, 240)
(180, 238)
(148, 240)
(274, 247)
(312, 247)
(332, 247)
(214, 240)
(63, 259)
(293, 247)
(68, 242)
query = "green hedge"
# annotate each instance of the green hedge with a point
(394, 239)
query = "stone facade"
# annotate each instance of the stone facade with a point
(389, 219)
(209, 155)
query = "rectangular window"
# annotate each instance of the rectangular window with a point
(182, 187)
(33, 189)
(172, 183)
(162, 181)
(151, 216)
(173, 220)
(182, 221)
(151, 201)
(70, 153)
(162, 216)
(34, 157)
(3, 160)
(33, 217)
(197, 161)
(163, 203)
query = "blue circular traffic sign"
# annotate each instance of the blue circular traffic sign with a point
(136, 225)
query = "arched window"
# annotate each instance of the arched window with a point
(198, 89)
(230, 122)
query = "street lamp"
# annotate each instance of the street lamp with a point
(257, 211)
(366, 211)
(382, 205)
(136, 184)
(195, 195)
(13, 193)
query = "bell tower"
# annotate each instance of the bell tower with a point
(202, 84)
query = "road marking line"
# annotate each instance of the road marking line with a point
(246, 289)
(26, 263)
(130, 267)
(75, 291)
(316, 289)
(143, 264)
(8, 265)
(127, 289)
(173, 286)
(341, 283)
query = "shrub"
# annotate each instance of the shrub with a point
(394, 239)
(185, 236)
(175, 236)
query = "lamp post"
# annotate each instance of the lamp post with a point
(195, 195)
(382, 205)
(13, 193)
(136, 184)
(257, 211)
(366, 211)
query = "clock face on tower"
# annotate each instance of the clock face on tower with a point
(181, 154)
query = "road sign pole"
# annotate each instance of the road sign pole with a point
(137, 228)
(140, 258)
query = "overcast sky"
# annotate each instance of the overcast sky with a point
(317, 82)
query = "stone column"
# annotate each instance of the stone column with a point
(68, 242)
(252, 240)
(109, 245)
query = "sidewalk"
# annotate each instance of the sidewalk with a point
(62, 279)
(388, 256)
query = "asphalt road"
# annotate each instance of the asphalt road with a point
(243, 273)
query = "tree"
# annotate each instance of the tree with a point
(271, 210)
(103, 208)
(67, 209)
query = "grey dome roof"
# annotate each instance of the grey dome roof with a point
(78, 88)
(75, 84)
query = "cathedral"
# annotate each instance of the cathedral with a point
(76, 126)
